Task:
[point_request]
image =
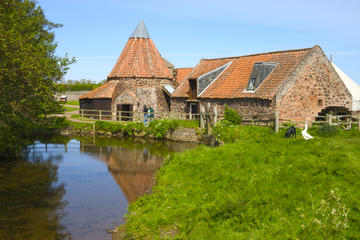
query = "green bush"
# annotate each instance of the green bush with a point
(232, 115)
(160, 127)
(326, 130)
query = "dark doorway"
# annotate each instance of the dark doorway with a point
(194, 109)
(125, 111)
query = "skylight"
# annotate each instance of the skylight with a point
(205, 80)
(259, 72)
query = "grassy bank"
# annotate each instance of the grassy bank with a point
(258, 186)
(158, 128)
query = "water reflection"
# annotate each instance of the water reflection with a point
(133, 164)
(76, 188)
(31, 205)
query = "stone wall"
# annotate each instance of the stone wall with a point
(313, 86)
(140, 91)
(179, 105)
(245, 106)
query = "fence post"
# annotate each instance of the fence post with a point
(358, 122)
(330, 119)
(276, 121)
(202, 116)
(252, 121)
(100, 115)
(215, 115)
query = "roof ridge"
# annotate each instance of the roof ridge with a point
(264, 53)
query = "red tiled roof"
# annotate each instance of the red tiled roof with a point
(104, 91)
(182, 73)
(140, 58)
(234, 80)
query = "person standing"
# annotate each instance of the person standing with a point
(145, 111)
(151, 113)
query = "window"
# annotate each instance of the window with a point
(251, 86)
(260, 71)
(320, 103)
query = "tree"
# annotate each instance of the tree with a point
(28, 70)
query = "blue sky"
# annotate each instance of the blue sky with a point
(95, 31)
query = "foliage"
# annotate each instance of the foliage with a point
(327, 130)
(232, 115)
(262, 186)
(160, 127)
(84, 126)
(28, 70)
(81, 85)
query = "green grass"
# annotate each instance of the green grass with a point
(258, 186)
(70, 109)
(75, 103)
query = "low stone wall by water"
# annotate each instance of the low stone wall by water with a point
(180, 134)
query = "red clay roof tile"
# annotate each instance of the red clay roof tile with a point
(140, 58)
(104, 91)
(182, 74)
(234, 80)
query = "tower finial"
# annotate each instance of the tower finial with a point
(140, 31)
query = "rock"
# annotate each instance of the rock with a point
(185, 135)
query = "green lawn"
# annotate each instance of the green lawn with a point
(261, 186)
(76, 103)
(70, 109)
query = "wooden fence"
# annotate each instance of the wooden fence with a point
(208, 119)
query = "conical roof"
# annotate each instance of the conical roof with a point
(140, 58)
(140, 31)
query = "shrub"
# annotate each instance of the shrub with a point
(160, 127)
(232, 115)
(326, 130)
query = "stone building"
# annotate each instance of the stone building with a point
(140, 76)
(297, 83)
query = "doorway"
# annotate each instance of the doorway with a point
(124, 112)
(194, 109)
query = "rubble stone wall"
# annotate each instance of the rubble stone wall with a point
(313, 86)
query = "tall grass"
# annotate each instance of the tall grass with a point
(259, 186)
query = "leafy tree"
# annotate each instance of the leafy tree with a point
(28, 70)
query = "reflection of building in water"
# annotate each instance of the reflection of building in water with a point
(133, 170)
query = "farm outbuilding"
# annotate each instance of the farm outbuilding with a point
(137, 78)
(295, 83)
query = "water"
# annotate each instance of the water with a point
(76, 189)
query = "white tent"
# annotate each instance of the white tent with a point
(352, 86)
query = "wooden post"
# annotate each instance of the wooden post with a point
(215, 115)
(252, 121)
(202, 116)
(208, 123)
(276, 121)
(82, 113)
(330, 119)
(358, 122)
(99, 114)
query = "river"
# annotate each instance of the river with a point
(77, 188)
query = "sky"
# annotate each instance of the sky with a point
(185, 31)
